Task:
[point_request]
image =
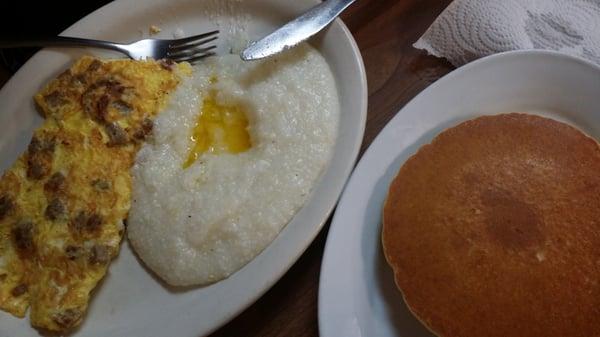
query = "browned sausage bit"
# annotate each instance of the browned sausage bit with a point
(6, 206)
(39, 157)
(19, 290)
(22, 235)
(116, 135)
(99, 254)
(55, 183)
(84, 222)
(56, 209)
(67, 318)
(101, 185)
(73, 252)
(144, 130)
(38, 145)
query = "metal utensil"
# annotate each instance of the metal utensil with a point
(188, 49)
(297, 30)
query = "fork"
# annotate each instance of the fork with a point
(188, 49)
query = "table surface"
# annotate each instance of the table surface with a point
(385, 31)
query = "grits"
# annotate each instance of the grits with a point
(202, 210)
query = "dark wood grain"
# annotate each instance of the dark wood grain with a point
(385, 31)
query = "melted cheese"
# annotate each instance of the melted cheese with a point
(219, 128)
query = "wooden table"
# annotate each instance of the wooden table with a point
(385, 31)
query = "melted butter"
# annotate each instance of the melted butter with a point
(219, 128)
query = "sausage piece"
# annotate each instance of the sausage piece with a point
(22, 235)
(55, 183)
(56, 209)
(38, 145)
(19, 290)
(73, 252)
(6, 206)
(55, 99)
(99, 254)
(86, 223)
(94, 222)
(116, 135)
(144, 130)
(101, 185)
(67, 318)
(39, 157)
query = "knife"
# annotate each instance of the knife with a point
(296, 31)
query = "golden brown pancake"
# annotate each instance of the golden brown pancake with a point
(493, 229)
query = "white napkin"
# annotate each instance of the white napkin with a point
(470, 29)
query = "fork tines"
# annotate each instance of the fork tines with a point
(192, 48)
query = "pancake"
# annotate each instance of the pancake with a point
(493, 229)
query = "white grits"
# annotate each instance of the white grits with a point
(199, 225)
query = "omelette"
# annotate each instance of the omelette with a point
(63, 202)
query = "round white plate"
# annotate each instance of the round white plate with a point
(357, 294)
(130, 301)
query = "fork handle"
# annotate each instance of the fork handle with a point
(62, 41)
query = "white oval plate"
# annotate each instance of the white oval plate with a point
(357, 294)
(130, 301)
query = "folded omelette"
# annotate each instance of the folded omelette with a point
(63, 202)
